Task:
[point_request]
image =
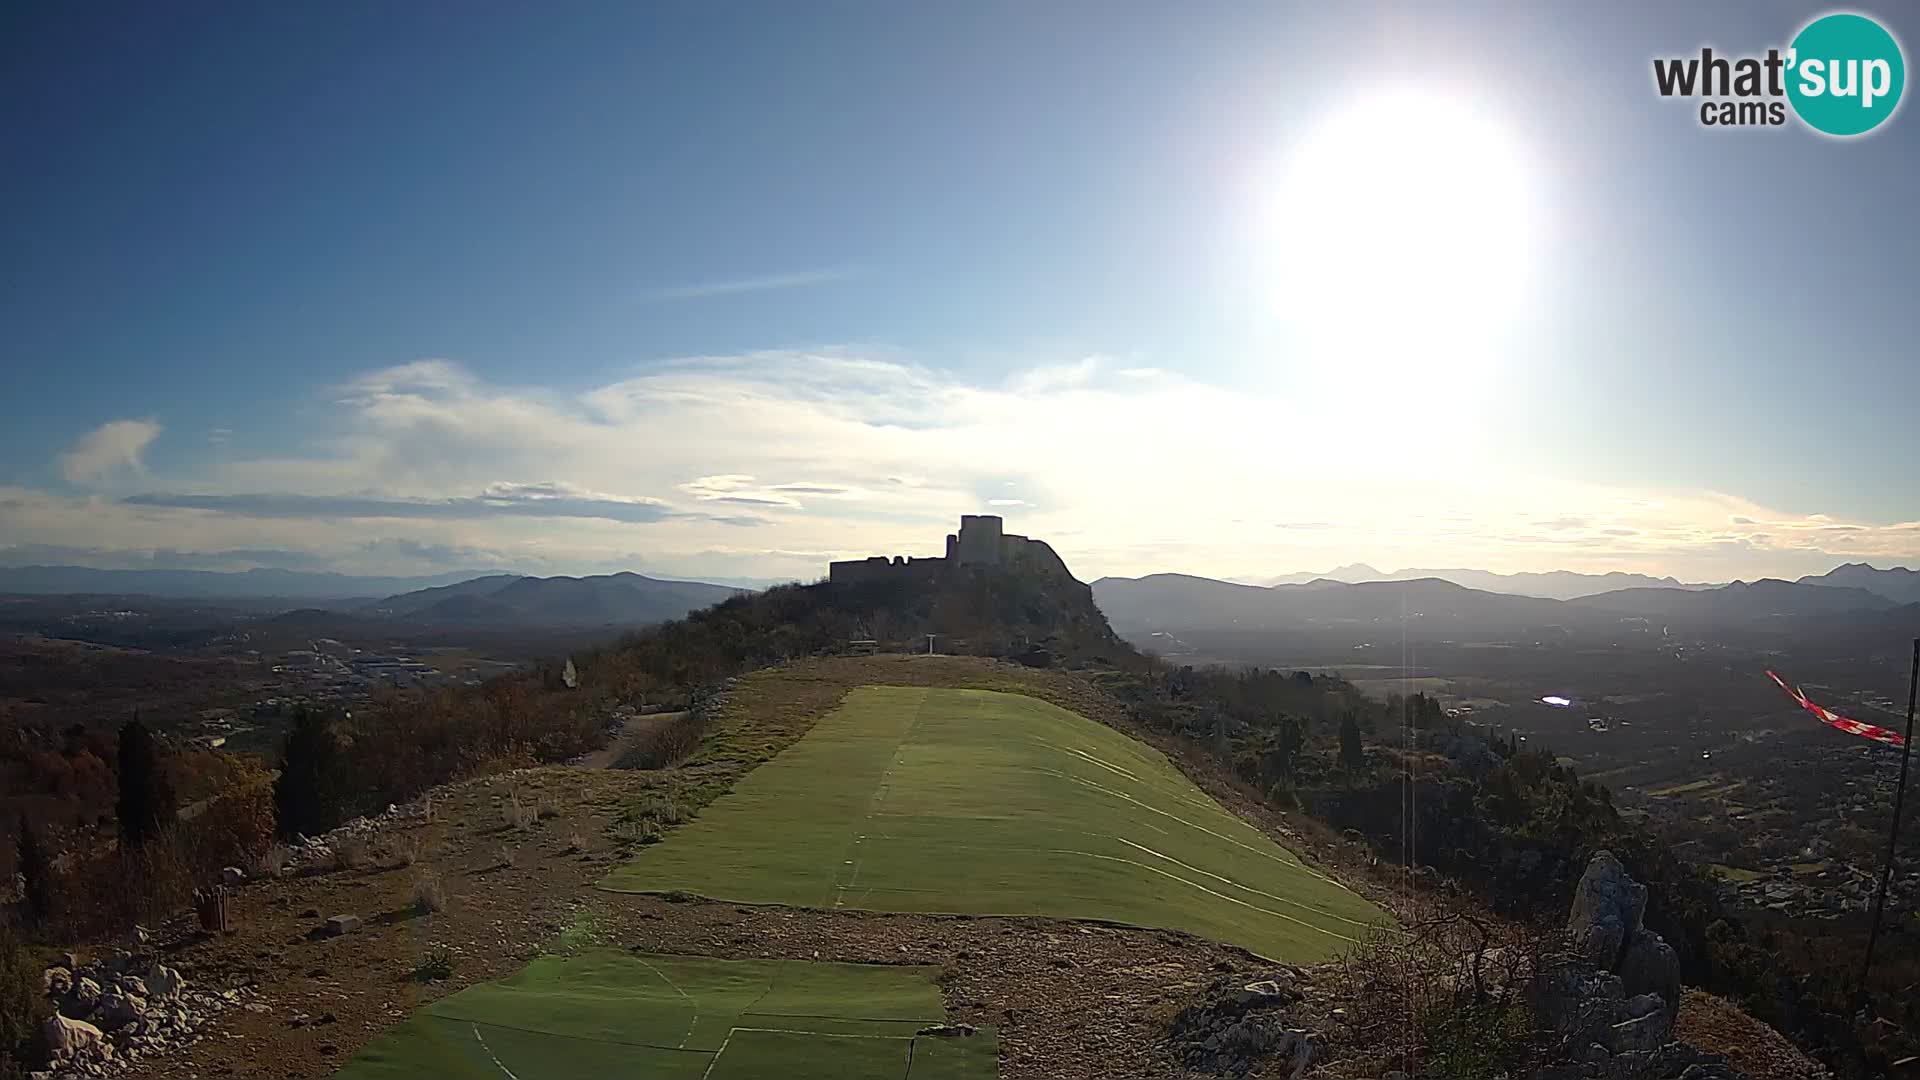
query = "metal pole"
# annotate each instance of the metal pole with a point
(1893, 830)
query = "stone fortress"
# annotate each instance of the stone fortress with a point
(981, 543)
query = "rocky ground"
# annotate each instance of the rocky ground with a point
(280, 996)
(468, 885)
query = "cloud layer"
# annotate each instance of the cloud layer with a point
(770, 464)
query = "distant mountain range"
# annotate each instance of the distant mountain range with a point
(214, 585)
(1552, 585)
(625, 599)
(1174, 602)
(1898, 584)
(1739, 601)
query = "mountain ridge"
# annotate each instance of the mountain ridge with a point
(622, 599)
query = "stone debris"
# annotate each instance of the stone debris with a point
(111, 1015)
(309, 851)
(1242, 1028)
(1612, 1000)
(342, 924)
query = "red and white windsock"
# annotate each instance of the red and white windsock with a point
(1828, 716)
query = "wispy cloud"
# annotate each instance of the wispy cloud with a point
(764, 283)
(109, 448)
(546, 500)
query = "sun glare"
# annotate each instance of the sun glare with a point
(1405, 235)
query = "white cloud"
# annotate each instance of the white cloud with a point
(763, 283)
(839, 453)
(107, 449)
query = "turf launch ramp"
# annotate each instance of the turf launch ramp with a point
(607, 1013)
(984, 803)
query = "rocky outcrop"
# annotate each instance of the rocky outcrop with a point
(1239, 1029)
(1611, 997)
(112, 1013)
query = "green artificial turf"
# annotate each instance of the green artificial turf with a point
(607, 1013)
(977, 802)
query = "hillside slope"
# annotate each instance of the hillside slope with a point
(623, 599)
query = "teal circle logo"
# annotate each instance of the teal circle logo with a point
(1845, 74)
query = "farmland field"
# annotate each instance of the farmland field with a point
(609, 1013)
(984, 803)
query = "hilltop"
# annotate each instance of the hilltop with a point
(623, 599)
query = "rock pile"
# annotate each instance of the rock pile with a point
(318, 850)
(111, 1013)
(1611, 999)
(1239, 1028)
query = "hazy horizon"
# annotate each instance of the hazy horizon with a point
(1232, 290)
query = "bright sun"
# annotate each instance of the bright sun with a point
(1406, 235)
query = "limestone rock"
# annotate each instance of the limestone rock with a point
(70, 1037)
(164, 982)
(56, 981)
(1649, 966)
(1608, 907)
(342, 924)
(86, 995)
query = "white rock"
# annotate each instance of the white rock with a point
(164, 982)
(67, 1037)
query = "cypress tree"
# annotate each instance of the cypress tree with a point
(147, 803)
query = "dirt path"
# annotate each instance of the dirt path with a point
(620, 743)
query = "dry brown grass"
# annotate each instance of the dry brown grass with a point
(429, 893)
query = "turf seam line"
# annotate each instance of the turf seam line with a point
(873, 804)
(691, 1023)
(1301, 867)
(820, 1034)
(1209, 892)
(564, 1035)
(1247, 888)
(921, 1020)
(489, 1050)
(716, 1054)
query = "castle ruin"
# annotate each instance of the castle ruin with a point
(980, 543)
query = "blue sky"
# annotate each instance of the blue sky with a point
(408, 287)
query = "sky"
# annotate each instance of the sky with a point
(730, 290)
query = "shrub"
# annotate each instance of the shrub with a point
(515, 814)
(237, 828)
(436, 965)
(273, 861)
(36, 870)
(576, 844)
(665, 743)
(22, 1008)
(548, 808)
(429, 894)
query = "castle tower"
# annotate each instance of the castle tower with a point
(979, 541)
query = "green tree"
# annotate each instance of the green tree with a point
(22, 1008)
(37, 870)
(306, 797)
(1353, 753)
(147, 805)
